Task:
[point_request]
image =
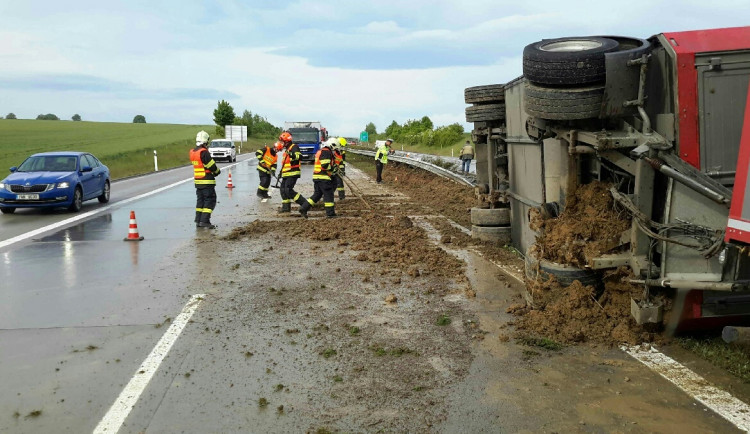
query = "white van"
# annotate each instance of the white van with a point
(222, 149)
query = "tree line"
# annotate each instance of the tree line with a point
(257, 126)
(418, 132)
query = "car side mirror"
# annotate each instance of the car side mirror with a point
(13, 169)
(86, 169)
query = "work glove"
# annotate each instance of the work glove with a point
(218, 172)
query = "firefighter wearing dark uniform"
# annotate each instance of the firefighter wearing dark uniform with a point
(290, 173)
(338, 170)
(205, 171)
(322, 172)
(266, 167)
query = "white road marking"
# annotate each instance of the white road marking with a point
(85, 215)
(119, 411)
(721, 402)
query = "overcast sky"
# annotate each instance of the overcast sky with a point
(344, 63)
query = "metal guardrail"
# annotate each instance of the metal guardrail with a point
(432, 168)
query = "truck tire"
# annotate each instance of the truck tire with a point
(493, 234)
(567, 61)
(485, 112)
(488, 94)
(563, 103)
(490, 217)
(565, 274)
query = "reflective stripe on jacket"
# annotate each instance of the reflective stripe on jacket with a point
(266, 160)
(204, 172)
(291, 166)
(323, 166)
(382, 154)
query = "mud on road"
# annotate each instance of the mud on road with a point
(388, 319)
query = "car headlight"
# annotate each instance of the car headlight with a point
(2, 186)
(65, 184)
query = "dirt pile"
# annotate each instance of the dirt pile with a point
(588, 227)
(387, 241)
(573, 314)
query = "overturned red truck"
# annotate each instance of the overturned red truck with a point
(665, 122)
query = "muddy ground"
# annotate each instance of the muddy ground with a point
(391, 319)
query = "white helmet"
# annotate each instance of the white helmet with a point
(201, 138)
(330, 143)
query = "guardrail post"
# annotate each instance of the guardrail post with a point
(156, 163)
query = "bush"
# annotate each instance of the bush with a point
(10, 116)
(139, 119)
(47, 117)
(76, 117)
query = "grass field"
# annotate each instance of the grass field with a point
(128, 149)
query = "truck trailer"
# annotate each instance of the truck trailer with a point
(664, 123)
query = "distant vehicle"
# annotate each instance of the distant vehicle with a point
(55, 179)
(223, 149)
(308, 136)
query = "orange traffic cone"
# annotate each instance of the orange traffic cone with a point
(133, 229)
(229, 180)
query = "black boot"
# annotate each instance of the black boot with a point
(342, 195)
(197, 217)
(262, 194)
(303, 208)
(206, 221)
(285, 207)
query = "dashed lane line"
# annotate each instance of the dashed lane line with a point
(113, 420)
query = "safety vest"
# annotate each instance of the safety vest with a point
(202, 175)
(322, 168)
(338, 160)
(382, 154)
(291, 166)
(267, 162)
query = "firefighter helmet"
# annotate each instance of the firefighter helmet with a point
(330, 143)
(201, 138)
(285, 137)
(278, 146)
(342, 141)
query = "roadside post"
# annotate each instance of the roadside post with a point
(156, 163)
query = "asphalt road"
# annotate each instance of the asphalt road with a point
(81, 308)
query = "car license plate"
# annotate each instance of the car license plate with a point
(27, 197)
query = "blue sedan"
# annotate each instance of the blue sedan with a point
(55, 179)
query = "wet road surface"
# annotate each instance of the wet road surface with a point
(82, 310)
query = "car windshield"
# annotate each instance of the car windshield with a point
(220, 145)
(49, 163)
(306, 135)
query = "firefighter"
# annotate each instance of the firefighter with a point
(266, 167)
(337, 179)
(381, 159)
(342, 168)
(290, 173)
(322, 172)
(205, 172)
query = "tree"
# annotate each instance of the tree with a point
(47, 117)
(224, 114)
(371, 130)
(76, 117)
(139, 119)
(426, 123)
(11, 116)
(393, 131)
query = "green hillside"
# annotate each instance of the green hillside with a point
(128, 149)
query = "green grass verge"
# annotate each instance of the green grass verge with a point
(127, 149)
(443, 152)
(733, 358)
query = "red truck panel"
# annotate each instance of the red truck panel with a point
(738, 226)
(686, 45)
